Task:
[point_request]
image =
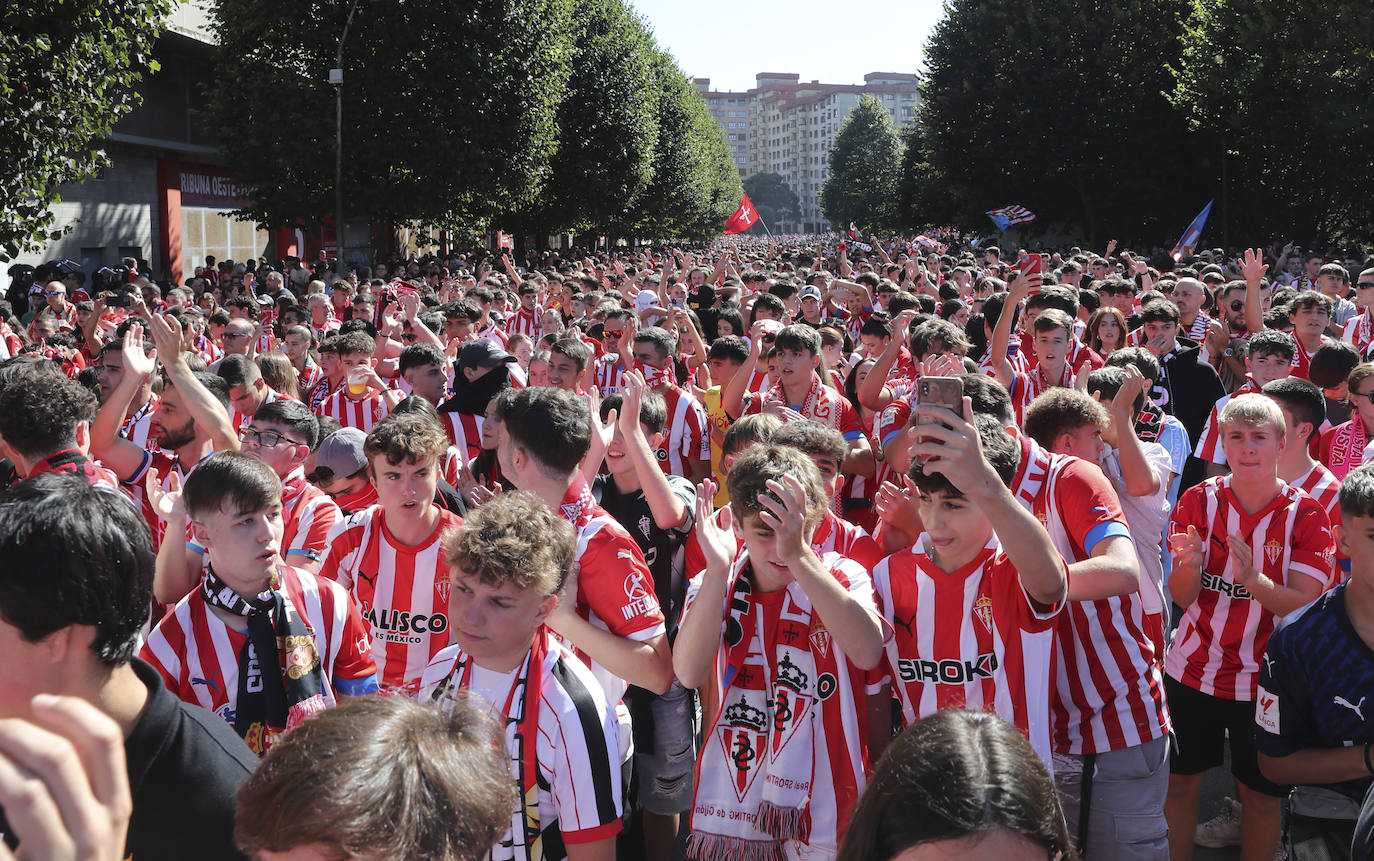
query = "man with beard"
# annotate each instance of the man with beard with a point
(189, 424)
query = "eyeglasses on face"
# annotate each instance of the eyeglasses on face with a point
(265, 438)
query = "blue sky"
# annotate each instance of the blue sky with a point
(729, 41)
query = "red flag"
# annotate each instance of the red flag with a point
(505, 240)
(744, 217)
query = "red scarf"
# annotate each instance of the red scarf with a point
(816, 406)
(520, 713)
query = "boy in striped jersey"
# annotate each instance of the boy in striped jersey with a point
(508, 564)
(1247, 549)
(388, 554)
(359, 404)
(972, 604)
(260, 643)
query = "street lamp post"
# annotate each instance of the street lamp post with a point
(336, 78)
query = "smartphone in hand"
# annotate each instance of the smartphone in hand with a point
(947, 392)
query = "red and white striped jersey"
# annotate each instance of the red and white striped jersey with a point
(308, 514)
(1209, 443)
(321, 391)
(1221, 637)
(361, 414)
(493, 333)
(687, 433)
(1359, 330)
(615, 589)
(609, 375)
(1026, 387)
(309, 377)
(165, 464)
(578, 749)
(524, 322)
(197, 654)
(1322, 485)
(969, 639)
(1109, 692)
(139, 423)
(835, 535)
(464, 431)
(402, 591)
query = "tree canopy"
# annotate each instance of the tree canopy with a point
(775, 200)
(1283, 88)
(1060, 106)
(862, 181)
(68, 72)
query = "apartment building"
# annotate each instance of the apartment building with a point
(784, 126)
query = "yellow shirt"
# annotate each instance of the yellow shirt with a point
(720, 423)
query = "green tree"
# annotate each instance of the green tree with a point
(775, 200)
(67, 73)
(695, 185)
(1282, 89)
(1065, 114)
(607, 128)
(862, 180)
(449, 108)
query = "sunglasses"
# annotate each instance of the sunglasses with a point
(1237, 305)
(1363, 284)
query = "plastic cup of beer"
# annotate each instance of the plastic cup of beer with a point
(357, 381)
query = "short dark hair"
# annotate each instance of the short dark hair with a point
(1331, 364)
(1271, 342)
(551, 424)
(812, 438)
(749, 430)
(988, 397)
(575, 349)
(662, 341)
(798, 339)
(1142, 359)
(1301, 398)
(421, 355)
(95, 556)
(653, 410)
(352, 343)
(1357, 493)
(293, 414)
(1160, 311)
(932, 334)
(40, 409)
(731, 348)
(237, 370)
(353, 777)
(213, 383)
(230, 481)
(999, 449)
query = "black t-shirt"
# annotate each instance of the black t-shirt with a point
(663, 548)
(185, 768)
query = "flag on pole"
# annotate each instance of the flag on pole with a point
(928, 244)
(744, 217)
(1188, 241)
(852, 231)
(505, 240)
(1006, 216)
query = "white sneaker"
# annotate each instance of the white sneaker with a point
(1221, 830)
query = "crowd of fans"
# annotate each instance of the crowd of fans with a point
(649, 551)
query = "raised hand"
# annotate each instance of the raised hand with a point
(717, 541)
(166, 503)
(135, 361)
(784, 511)
(1187, 548)
(1253, 267)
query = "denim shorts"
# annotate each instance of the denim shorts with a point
(665, 757)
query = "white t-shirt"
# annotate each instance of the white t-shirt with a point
(1148, 517)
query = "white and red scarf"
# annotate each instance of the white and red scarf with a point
(816, 406)
(758, 758)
